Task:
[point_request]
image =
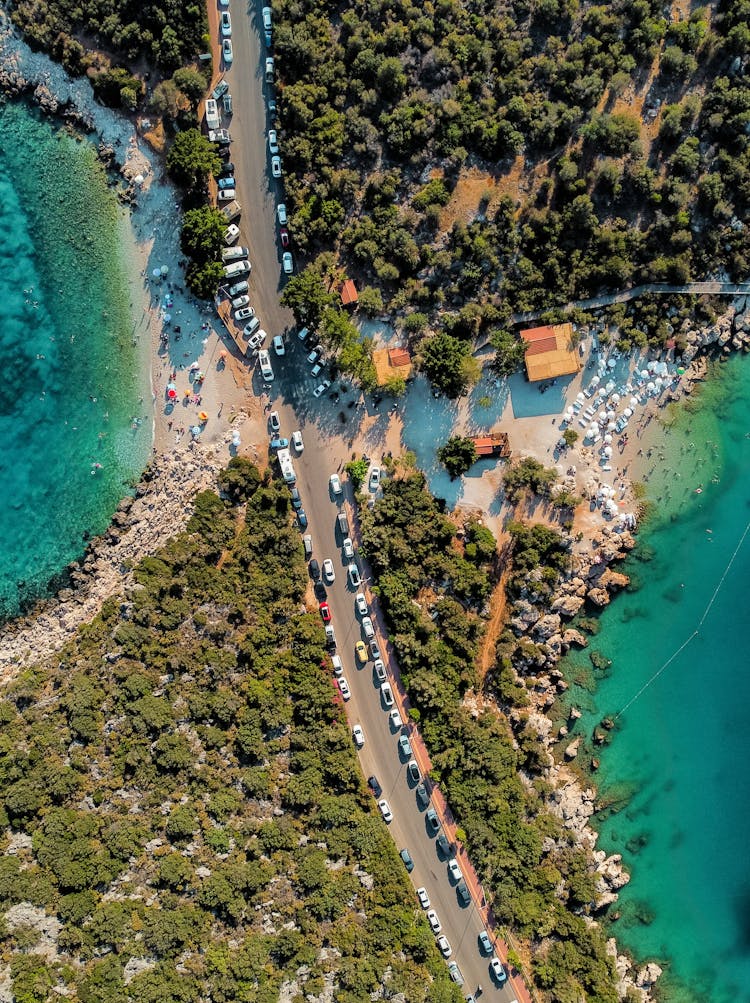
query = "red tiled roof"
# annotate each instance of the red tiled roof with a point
(538, 333)
(349, 293)
(543, 345)
(399, 357)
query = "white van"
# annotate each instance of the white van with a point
(213, 120)
(264, 361)
(237, 269)
(338, 668)
(234, 254)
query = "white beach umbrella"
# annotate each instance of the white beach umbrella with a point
(610, 386)
(615, 398)
(595, 381)
(165, 269)
(627, 413)
(608, 438)
(156, 273)
(569, 413)
(644, 374)
(611, 363)
(634, 402)
(607, 451)
(593, 430)
(611, 426)
(602, 416)
(650, 386)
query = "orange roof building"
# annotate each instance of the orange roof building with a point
(550, 352)
(390, 363)
(349, 294)
(494, 444)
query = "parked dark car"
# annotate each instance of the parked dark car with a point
(314, 570)
(462, 891)
(444, 848)
(374, 785)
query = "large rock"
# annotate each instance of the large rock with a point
(599, 597)
(571, 750)
(648, 975)
(572, 636)
(546, 627)
(613, 580)
(567, 605)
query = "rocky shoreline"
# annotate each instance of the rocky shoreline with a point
(540, 628)
(160, 508)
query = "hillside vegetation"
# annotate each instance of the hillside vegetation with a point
(182, 813)
(469, 159)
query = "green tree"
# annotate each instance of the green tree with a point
(570, 437)
(509, 352)
(202, 236)
(357, 471)
(442, 358)
(308, 295)
(191, 159)
(457, 455)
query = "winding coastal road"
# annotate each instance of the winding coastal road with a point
(326, 450)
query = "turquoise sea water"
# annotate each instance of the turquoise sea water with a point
(72, 375)
(678, 766)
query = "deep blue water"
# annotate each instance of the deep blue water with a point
(73, 378)
(680, 757)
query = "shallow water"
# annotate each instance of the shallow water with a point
(74, 431)
(682, 741)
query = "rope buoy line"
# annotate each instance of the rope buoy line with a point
(692, 636)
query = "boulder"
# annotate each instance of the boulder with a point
(599, 597)
(613, 580)
(546, 627)
(648, 975)
(567, 605)
(574, 637)
(571, 750)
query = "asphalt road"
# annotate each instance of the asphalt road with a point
(326, 450)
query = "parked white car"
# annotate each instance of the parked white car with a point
(297, 441)
(358, 735)
(276, 166)
(278, 345)
(385, 810)
(281, 213)
(360, 604)
(231, 234)
(335, 483)
(424, 898)
(273, 141)
(226, 24)
(348, 547)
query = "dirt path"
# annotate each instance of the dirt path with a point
(498, 605)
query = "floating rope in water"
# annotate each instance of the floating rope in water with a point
(695, 633)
